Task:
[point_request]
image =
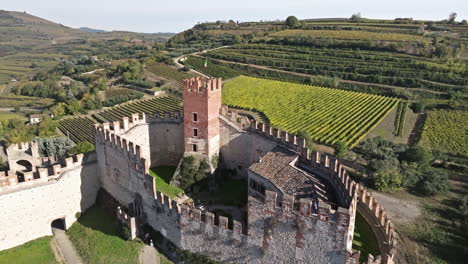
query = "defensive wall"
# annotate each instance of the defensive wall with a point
(58, 192)
(348, 191)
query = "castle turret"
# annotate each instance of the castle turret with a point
(202, 103)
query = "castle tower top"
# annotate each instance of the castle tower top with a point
(202, 104)
(199, 85)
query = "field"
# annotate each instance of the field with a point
(328, 115)
(5, 116)
(163, 176)
(355, 65)
(96, 237)
(213, 69)
(11, 100)
(446, 131)
(341, 34)
(167, 72)
(79, 129)
(82, 128)
(37, 251)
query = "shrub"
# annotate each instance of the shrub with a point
(433, 183)
(387, 180)
(418, 154)
(292, 22)
(341, 149)
(82, 147)
(418, 107)
(125, 232)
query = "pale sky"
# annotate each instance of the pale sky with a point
(177, 15)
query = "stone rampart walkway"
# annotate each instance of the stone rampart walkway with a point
(66, 248)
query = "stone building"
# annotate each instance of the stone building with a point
(301, 205)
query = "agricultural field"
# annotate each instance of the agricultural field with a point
(11, 100)
(38, 251)
(167, 72)
(365, 66)
(328, 115)
(5, 116)
(348, 34)
(446, 131)
(82, 128)
(79, 129)
(213, 69)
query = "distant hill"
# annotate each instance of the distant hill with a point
(29, 43)
(92, 30)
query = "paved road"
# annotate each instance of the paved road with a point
(149, 255)
(66, 248)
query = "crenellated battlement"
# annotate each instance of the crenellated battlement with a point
(12, 180)
(202, 86)
(23, 146)
(233, 116)
(127, 123)
(349, 192)
(128, 221)
(134, 153)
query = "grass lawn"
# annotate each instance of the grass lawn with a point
(96, 238)
(364, 238)
(163, 177)
(37, 251)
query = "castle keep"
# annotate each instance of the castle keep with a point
(301, 204)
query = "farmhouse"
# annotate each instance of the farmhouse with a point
(301, 204)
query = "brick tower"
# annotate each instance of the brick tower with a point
(202, 103)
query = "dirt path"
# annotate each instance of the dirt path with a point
(65, 247)
(197, 54)
(149, 255)
(401, 211)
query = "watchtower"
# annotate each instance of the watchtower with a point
(202, 103)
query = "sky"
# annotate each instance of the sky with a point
(152, 16)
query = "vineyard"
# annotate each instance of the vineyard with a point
(82, 128)
(400, 118)
(167, 72)
(328, 115)
(213, 69)
(446, 131)
(79, 129)
(348, 34)
(348, 64)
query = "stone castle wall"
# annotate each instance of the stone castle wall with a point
(28, 208)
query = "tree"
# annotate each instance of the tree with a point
(73, 106)
(355, 17)
(418, 107)
(387, 180)
(82, 147)
(419, 155)
(292, 22)
(55, 147)
(433, 183)
(341, 149)
(58, 110)
(452, 17)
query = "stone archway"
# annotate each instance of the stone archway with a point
(58, 223)
(24, 165)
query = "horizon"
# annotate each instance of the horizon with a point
(147, 17)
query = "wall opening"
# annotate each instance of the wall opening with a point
(24, 165)
(58, 224)
(195, 117)
(195, 132)
(194, 147)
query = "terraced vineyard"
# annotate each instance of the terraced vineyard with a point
(79, 129)
(151, 106)
(328, 115)
(348, 64)
(82, 128)
(167, 72)
(340, 34)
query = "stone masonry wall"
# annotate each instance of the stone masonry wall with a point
(28, 210)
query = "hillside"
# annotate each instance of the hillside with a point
(29, 43)
(427, 58)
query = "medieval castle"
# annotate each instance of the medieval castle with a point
(301, 204)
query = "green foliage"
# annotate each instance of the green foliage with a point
(418, 154)
(324, 81)
(433, 183)
(387, 180)
(192, 170)
(418, 107)
(341, 149)
(16, 131)
(129, 71)
(97, 238)
(82, 147)
(79, 129)
(308, 139)
(364, 239)
(445, 131)
(292, 22)
(356, 17)
(37, 251)
(214, 69)
(54, 147)
(294, 107)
